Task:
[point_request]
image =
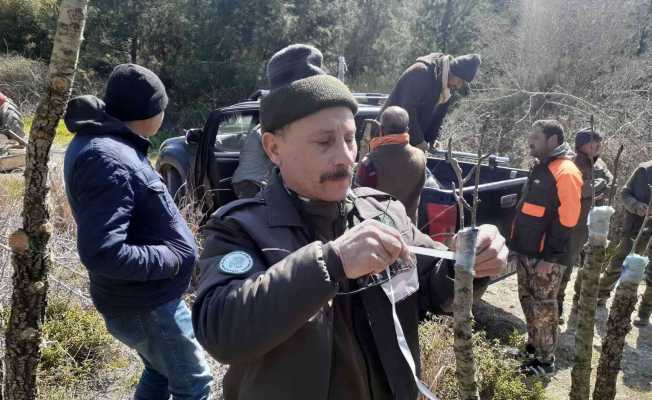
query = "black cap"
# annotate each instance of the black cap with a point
(586, 136)
(134, 93)
(292, 63)
(465, 67)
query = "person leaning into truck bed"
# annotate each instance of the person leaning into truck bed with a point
(539, 242)
(393, 166)
(276, 269)
(424, 91)
(636, 197)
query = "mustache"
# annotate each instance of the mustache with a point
(336, 175)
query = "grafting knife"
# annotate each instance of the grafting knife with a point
(424, 251)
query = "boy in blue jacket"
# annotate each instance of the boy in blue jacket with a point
(137, 248)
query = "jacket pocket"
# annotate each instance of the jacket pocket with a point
(533, 210)
(158, 189)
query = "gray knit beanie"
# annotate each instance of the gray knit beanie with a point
(300, 87)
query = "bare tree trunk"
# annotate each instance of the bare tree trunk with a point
(133, 50)
(581, 373)
(30, 252)
(596, 254)
(445, 25)
(463, 321)
(618, 327)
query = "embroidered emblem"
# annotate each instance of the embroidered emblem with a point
(236, 263)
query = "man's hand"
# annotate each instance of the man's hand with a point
(491, 252)
(641, 209)
(368, 248)
(544, 268)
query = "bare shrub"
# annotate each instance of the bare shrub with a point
(23, 80)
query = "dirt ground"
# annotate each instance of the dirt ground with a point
(500, 313)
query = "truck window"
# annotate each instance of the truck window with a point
(233, 130)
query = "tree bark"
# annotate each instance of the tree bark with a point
(445, 25)
(463, 320)
(618, 326)
(581, 372)
(30, 251)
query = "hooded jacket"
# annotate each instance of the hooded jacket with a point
(417, 91)
(549, 209)
(137, 248)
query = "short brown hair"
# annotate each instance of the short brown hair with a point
(550, 127)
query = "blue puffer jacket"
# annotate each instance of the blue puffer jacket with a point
(137, 248)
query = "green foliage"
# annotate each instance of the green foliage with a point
(26, 26)
(211, 53)
(77, 346)
(498, 376)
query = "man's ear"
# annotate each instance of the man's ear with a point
(270, 144)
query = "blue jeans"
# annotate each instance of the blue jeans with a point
(165, 341)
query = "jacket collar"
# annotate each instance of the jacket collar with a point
(282, 210)
(562, 151)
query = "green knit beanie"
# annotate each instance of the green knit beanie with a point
(299, 87)
(301, 98)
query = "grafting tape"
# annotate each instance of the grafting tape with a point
(634, 268)
(599, 218)
(465, 249)
(404, 347)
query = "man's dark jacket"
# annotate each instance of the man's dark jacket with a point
(549, 209)
(137, 248)
(636, 192)
(417, 91)
(273, 321)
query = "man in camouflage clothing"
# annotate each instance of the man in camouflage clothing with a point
(636, 197)
(546, 215)
(588, 145)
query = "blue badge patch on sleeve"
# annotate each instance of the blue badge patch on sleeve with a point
(236, 263)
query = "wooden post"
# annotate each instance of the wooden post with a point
(29, 245)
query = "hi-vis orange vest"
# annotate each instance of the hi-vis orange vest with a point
(548, 211)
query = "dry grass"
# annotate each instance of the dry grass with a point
(78, 378)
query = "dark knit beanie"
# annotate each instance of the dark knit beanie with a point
(300, 87)
(586, 136)
(465, 67)
(134, 93)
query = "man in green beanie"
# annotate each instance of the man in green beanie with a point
(285, 295)
(425, 91)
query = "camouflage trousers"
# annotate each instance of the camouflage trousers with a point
(538, 296)
(614, 268)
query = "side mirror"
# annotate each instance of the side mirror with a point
(193, 135)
